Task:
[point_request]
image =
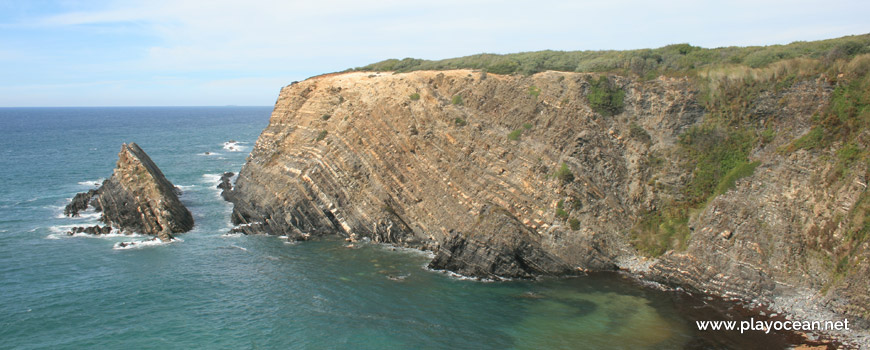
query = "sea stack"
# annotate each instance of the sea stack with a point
(137, 198)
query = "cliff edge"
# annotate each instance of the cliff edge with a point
(136, 198)
(556, 172)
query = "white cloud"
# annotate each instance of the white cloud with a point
(219, 45)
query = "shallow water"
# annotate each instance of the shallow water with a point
(213, 290)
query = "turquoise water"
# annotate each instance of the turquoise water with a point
(213, 290)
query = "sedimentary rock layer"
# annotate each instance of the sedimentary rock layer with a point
(137, 198)
(476, 168)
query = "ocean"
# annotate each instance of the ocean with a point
(213, 290)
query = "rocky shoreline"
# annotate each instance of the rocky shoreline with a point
(502, 182)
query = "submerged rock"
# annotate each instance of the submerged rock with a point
(137, 197)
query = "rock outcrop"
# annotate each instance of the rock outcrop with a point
(137, 198)
(518, 176)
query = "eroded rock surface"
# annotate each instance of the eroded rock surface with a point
(137, 198)
(419, 159)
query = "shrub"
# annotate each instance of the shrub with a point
(457, 100)
(534, 91)
(564, 173)
(742, 170)
(527, 126)
(637, 132)
(321, 135)
(574, 224)
(605, 98)
(767, 135)
(459, 121)
(515, 135)
(811, 140)
(325, 117)
(560, 210)
(415, 96)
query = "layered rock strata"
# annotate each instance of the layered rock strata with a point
(136, 198)
(474, 167)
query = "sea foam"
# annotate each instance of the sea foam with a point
(153, 242)
(234, 146)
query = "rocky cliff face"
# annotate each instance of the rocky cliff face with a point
(137, 198)
(519, 176)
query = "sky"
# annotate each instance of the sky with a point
(232, 52)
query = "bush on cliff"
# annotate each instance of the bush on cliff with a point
(604, 97)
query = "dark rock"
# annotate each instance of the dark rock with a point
(79, 203)
(137, 197)
(226, 186)
(512, 253)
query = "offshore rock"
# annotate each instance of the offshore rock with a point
(138, 198)
(225, 185)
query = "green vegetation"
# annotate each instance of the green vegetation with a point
(414, 97)
(321, 135)
(534, 91)
(457, 100)
(811, 140)
(527, 126)
(717, 157)
(325, 117)
(564, 173)
(646, 63)
(659, 231)
(515, 135)
(741, 170)
(605, 97)
(713, 152)
(560, 210)
(459, 121)
(767, 135)
(637, 132)
(574, 224)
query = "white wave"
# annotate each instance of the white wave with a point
(234, 146)
(390, 247)
(62, 231)
(92, 183)
(88, 215)
(211, 178)
(460, 277)
(186, 187)
(282, 237)
(232, 235)
(143, 244)
(4, 231)
(242, 248)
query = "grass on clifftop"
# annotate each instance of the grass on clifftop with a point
(647, 63)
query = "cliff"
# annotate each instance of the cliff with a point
(554, 173)
(137, 198)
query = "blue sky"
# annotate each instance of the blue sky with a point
(220, 52)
